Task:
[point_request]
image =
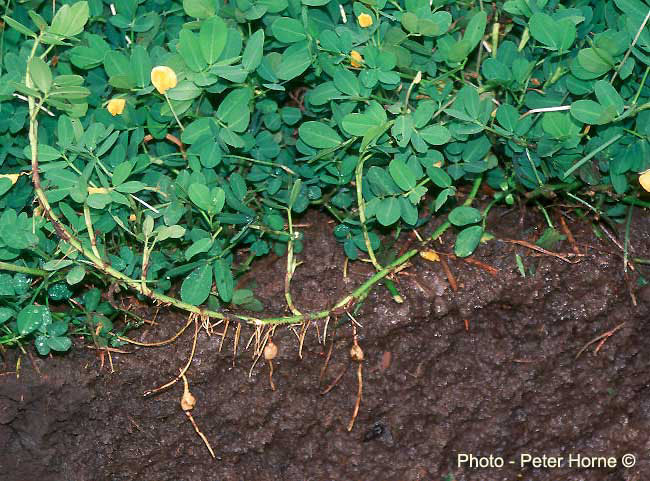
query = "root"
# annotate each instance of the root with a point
(159, 343)
(356, 353)
(187, 366)
(271, 375)
(187, 404)
(201, 435)
(359, 392)
(602, 338)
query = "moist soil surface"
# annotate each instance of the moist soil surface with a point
(487, 369)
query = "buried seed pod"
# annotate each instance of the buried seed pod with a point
(270, 350)
(356, 353)
(187, 404)
(188, 401)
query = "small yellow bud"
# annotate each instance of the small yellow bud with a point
(365, 20)
(644, 180)
(163, 78)
(98, 190)
(132, 217)
(116, 106)
(356, 60)
(431, 256)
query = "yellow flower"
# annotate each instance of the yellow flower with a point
(644, 180)
(356, 60)
(116, 106)
(163, 78)
(365, 20)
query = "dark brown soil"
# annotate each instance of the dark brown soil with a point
(510, 385)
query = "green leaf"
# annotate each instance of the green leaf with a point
(347, 82)
(464, 215)
(185, 90)
(554, 35)
(288, 30)
(319, 135)
(358, 124)
(389, 211)
(224, 280)
(608, 97)
(141, 66)
(467, 240)
(5, 185)
(461, 49)
(92, 55)
(6, 314)
(381, 182)
(408, 211)
(213, 37)
(475, 29)
(16, 25)
(402, 174)
(436, 135)
(31, 318)
(253, 52)
(200, 246)
(122, 172)
(190, 48)
(439, 177)
(234, 109)
(70, 19)
(636, 9)
(209, 200)
(171, 232)
(200, 8)
(41, 74)
(75, 275)
(40, 343)
(595, 61)
(59, 343)
(196, 287)
(590, 112)
(197, 129)
(294, 61)
(559, 125)
(508, 117)
(323, 93)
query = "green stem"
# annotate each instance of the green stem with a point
(344, 302)
(32, 271)
(171, 107)
(626, 245)
(262, 162)
(394, 293)
(638, 92)
(637, 202)
(362, 211)
(591, 155)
